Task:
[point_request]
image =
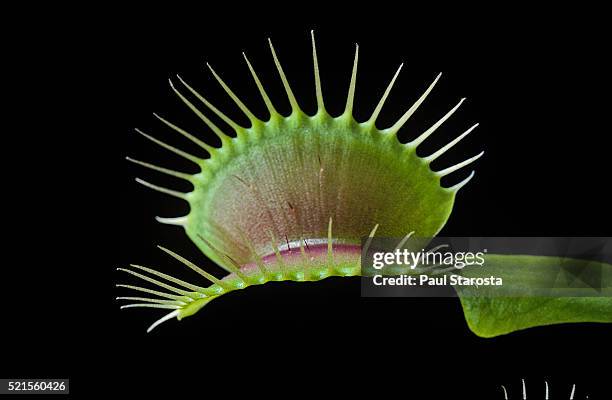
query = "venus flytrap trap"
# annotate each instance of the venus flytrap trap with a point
(284, 199)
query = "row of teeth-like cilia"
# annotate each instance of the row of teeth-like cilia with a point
(177, 294)
(546, 391)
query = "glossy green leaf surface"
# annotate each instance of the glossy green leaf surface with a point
(583, 293)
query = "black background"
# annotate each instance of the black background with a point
(534, 80)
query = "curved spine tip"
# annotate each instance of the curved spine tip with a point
(505, 392)
(373, 231)
(178, 221)
(366, 246)
(457, 166)
(404, 240)
(163, 319)
(461, 184)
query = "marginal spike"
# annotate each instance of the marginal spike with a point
(258, 260)
(546, 392)
(381, 103)
(172, 279)
(186, 134)
(174, 193)
(438, 247)
(403, 241)
(524, 390)
(149, 305)
(235, 98)
(351, 93)
(210, 106)
(149, 300)
(233, 267)
(573, 391)
(330, 249)
(457, 166)
(163, 319)
(224, 138)
(435, 126)
(444, 149)
(167, 171)
(179, 221)
(396, 127)
(366, 246)
(461, 184)
(505, 392)
(278, 255)
(294, 105)
(261, 89)
(192, 158)
(194, 267)
(156, 282)
(153, 292)
(302, 250)
(318, 90)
